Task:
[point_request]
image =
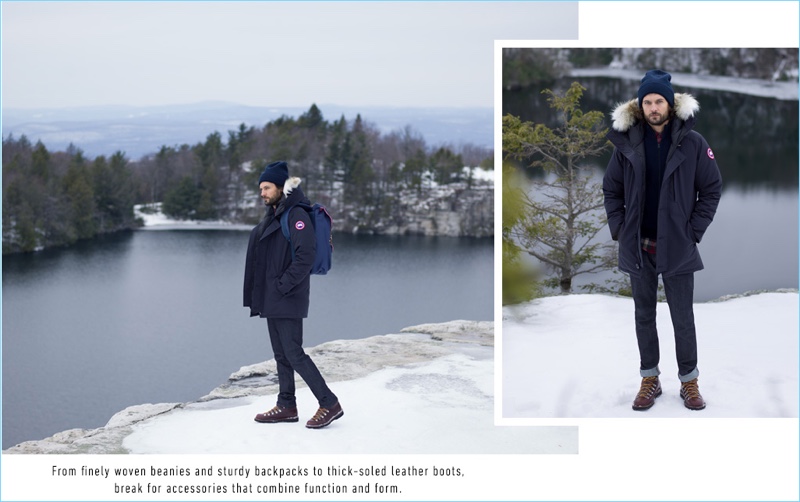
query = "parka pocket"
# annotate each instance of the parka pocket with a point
(273, 295)
(681, 227)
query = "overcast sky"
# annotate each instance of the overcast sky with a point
(58, 54)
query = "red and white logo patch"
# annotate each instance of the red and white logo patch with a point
(710, 154)
(300, 225)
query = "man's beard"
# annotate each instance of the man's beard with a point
(657, 119)
(271, 201)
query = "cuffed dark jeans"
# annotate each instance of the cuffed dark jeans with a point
(680, 296)
(286, 336)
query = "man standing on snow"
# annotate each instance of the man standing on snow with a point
(661, 188)
(276, 287)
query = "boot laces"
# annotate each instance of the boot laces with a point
(648, 387)
(690, 389)
(320, 414)
(276, 410)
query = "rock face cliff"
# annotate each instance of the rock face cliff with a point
(453, 210)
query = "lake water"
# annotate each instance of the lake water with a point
(157, 316)
(753, 242)
(751, 245)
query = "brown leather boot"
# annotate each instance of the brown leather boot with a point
(325, 416)
(278, 414)
(648, 392)
(691, 395)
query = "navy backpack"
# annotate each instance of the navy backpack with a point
(322, 223)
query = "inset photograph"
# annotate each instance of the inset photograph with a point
(650, 230)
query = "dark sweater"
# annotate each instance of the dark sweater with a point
(656, 147)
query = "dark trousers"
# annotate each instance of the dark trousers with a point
(286, 336)
(680, 296)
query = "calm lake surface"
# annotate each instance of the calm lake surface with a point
(157, 316)
(752, 243)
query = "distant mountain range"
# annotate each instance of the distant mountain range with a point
(141, 131)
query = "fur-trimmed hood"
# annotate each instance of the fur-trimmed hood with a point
(291, 183)
(626, 114)
(292, 194)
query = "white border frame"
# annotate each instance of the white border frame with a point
(664, 459)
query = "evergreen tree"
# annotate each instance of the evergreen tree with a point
(523, 67)
(412, 149)
(212, 152)
(357, 156)
(83, 217)
(103, 185)
(446, 166)
(237, 151)
(123, 190)
(334, 163)
(280, 140)
(414, 169)
(159, 173)
(40, 161)
(311, 119)
(113, 189)
(182, 201)
(22, 201)
(564, 213)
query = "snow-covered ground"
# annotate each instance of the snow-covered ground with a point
(442, 406)
(583, 350)
(754, 87)
(408, 408)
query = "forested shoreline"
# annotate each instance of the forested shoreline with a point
(55, 198)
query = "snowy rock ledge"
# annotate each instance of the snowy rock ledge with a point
(107, 439)
(351, 359)
(458, 350)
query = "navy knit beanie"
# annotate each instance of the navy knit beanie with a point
(276, 173)
(657, 81)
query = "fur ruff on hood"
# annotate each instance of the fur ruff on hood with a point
(627, 113)
(291, 183)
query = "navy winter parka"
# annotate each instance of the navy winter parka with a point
(275, 285)
(690, 190)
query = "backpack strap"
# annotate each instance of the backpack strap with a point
(285, 224)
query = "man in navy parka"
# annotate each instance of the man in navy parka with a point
(277, 287)
(661, 189)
